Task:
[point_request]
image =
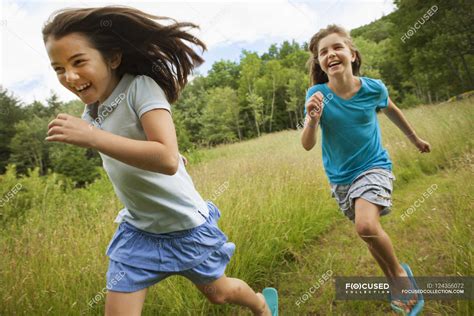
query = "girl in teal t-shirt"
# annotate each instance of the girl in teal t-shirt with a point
(357, 165)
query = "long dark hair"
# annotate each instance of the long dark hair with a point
(316, 74)
(148, 47)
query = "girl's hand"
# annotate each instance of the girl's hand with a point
(423, 146)
(314, 106)
(72, 130)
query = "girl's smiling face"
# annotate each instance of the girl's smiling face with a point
(81, 68)
(334, 55)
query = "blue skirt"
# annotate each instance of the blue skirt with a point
(170, 252)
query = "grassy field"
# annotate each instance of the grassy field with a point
(276, 207)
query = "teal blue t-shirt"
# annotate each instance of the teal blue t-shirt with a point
(350, 132)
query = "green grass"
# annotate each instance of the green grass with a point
(276, 209)
(436, 240)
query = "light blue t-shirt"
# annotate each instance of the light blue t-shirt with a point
(350, 132)
(154, 202)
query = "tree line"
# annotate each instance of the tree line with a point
(423, 52)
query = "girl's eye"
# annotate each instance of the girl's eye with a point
(77, 62)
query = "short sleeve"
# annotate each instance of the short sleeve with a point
(383, 99)
(147, 95)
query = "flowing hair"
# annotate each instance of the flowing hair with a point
(316, 74)
(159, 51)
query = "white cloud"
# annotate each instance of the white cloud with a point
(25, 64)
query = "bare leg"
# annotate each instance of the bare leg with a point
(381, 262)
(235, 291)
(367, 222)
(126, 304)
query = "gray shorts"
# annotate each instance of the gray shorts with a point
(374, 185)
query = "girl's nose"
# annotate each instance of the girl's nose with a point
(71, 76)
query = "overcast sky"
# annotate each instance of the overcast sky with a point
(227, 27)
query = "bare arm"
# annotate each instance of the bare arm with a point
(396, 116)
(159, 153)
(309, 135)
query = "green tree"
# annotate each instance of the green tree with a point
(10, 114)
(288, 48)
(221, 116)
(267, 86)
(182, 135)
(28, 147)
(372, 54)
(256, 104)
(81, 165)
(376, 31)
(296, 60)
(251, 68)
(272, 53)
(54, 105)
(295, 89)
(434, 46)
(223, 73)
(187, 111)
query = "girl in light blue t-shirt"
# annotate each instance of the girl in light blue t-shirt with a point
(356, 164)
(126, 67)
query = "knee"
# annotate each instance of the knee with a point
(367, 230)
(222, 296)
(216, 298)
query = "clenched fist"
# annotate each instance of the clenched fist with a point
(314, 106)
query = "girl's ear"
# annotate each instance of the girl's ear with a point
(116, 60)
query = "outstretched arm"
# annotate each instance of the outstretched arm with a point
(159, 153)
(397, 117)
